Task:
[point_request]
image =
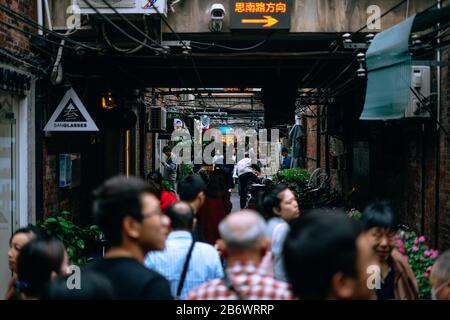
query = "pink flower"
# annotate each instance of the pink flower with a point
(416, 241)
(427, 253)
(407, 236)
(421, 239)
(415, 248)
(421, 258)
(434, 254)
(425, 275)
(429, 268)
(401, 248)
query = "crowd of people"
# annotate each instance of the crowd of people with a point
(187, 244)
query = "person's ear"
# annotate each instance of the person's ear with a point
(342, 287)
(201, 197)
(265, 244)
(131, 227)
(277, 210)
(221, 248)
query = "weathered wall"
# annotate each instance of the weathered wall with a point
(306, 15)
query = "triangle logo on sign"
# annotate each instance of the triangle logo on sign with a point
(71, 115)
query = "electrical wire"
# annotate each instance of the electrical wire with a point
(213, 44)
(142, 43)
(145, 34)
(12, 56)
(30, 22)
(113, 46)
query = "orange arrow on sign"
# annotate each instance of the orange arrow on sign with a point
(268, 20)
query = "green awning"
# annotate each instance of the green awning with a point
(389, 73)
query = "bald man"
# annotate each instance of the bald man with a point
(440, 277)
(203, 264)
(243, 245)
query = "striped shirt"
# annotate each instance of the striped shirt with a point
(249, 281)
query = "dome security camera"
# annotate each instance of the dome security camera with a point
(217, 13)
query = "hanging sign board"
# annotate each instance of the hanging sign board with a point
(257, 14)
(71, 115)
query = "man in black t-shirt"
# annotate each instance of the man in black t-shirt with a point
(127, 210)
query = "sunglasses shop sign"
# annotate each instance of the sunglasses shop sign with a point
(71, 115)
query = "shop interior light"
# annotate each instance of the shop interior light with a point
(108, 102)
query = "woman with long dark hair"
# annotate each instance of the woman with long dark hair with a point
(39, 262)
(17, 241)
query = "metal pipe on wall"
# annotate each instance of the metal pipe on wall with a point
(49, 17)
(40, 16)
(438, 137)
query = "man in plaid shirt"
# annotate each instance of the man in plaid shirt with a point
(243, 245)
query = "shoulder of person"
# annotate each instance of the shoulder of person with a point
(156, 287)
(200, 291)
(206, 248)
(280, 231)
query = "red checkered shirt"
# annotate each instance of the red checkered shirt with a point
(249, 281)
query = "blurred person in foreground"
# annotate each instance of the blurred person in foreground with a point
(40, 262)
(326, 256)
(185, 262)
(243, 244)
(397, 278)
(127, 210)
(440, 277)
(280, 206)
(17, 241)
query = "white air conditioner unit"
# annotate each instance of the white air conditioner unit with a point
(123, 6)
(421, 84)
(158, 119)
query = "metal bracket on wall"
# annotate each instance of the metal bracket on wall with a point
(353, 45)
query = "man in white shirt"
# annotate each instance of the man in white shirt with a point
(246, 176)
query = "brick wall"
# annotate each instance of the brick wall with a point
(311, 136)
(11, 39)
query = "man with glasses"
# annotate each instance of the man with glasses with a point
(128, 212)
(397, 280)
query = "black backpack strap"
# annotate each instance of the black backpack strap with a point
(185, 268)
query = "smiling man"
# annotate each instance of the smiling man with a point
(397, 278)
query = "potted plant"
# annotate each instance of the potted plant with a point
(74, 237)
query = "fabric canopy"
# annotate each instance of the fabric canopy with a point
(389, 73)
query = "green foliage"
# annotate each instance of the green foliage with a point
(354, 214)
(186, 169)
(294, 175)
(168, 185)
(420, 257)
(73, 236)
